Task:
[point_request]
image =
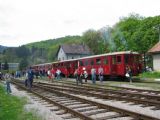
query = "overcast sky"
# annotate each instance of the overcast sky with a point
(26, 21)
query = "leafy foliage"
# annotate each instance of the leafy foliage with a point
(23, 64)
(6, 66)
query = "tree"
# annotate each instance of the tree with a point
(23, 64)
(22, 51)
(107, 44)
(6, 66)
(92, 38)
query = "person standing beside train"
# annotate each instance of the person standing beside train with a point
(53, 74)
(49, 75)
(58, 72)
(1, 76)
(100, 73)
(85, 74)
(30, 77)
(93, 75)
(76, 75)
(7, 78)
(129, 73)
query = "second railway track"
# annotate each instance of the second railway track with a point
(83, 108)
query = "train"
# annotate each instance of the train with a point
(114, 64)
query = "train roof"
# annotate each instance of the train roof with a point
(106, 54)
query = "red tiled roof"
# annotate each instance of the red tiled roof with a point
(155, 48)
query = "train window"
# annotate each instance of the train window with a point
(86, 62)
(136, 59)
(92, 62)
(126, 58)
(105, 61)
(81, 63)
(75, 65)
(131, 58)
(118, 59)
(98, 61)
(67, 65)
(113, 59)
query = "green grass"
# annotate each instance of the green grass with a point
(12, 107)
(150, 75)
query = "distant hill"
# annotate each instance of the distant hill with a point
(45, 51)
(2, 48)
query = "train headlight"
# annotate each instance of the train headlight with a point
(84, 68)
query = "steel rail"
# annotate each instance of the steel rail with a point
(104, 106)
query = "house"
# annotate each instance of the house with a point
(73, 51)
(155, 51)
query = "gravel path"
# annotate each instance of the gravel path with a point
(35, 105)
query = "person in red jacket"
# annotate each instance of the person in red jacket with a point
(52, 74)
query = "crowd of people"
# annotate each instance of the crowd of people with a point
(80, 75)
(56, 74)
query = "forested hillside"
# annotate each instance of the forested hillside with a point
(2, 48)
(134, 33)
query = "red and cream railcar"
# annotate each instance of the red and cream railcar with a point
(113, 64)
(44, 67)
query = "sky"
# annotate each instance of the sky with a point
(26, 21)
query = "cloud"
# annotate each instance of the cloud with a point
(24, 21)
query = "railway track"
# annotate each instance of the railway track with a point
(137, 98)
(135, 90)
(82, 108)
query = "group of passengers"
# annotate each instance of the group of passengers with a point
(54, 74)
(80, 75)
(29, 78)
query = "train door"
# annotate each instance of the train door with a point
(105, 65)
(119, 65)
(113, 65)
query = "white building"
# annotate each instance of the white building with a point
(155, 51)
(66, 52)
(11, 66)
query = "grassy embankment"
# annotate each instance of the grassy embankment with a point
(12, 107)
